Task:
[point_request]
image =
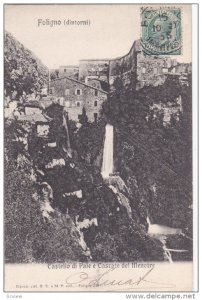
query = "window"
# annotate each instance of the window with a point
(78, 91)
(78, 104)
(65, 70)
(143, 70)
(95, 103)
(95, 117)
(96, 93)
(66, 92)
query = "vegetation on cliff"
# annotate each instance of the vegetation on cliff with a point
(154, 155)
(24, 73)
(153, 159)
(28, 237)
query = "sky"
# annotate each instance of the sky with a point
(112, 31)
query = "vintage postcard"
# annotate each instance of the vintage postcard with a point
(98, 148)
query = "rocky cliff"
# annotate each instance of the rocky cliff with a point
(24, 73)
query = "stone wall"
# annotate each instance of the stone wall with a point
(94, 83)
(29, 110)
(78, 95)
(42, 130)
(182, 68)
(140, 70)
(92, 68)
(125, 67)
(169, 109)
(69, 71)
(153, 70)
(134, 68)
(46, 101)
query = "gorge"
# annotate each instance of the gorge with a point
(88, 190)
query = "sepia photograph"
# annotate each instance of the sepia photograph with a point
(98, 161)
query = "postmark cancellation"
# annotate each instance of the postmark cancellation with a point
(161, 30)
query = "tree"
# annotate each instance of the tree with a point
(28, 237)
(83, 119)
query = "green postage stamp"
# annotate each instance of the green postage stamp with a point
(161, 31)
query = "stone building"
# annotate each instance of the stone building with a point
(125, 67)
(76, 95)
(32, 108)
(139, 70)
(94, 69)
(168, 110)
(152, 70)
(87, 84)
(43, 128)
(133, 68)
(34, 115)
(69, 71)
(99, 84)
(46, 101)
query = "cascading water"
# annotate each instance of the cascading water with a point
(68, 150)
(157, 229)
(162, 232)
(167, 253)
(107, 164)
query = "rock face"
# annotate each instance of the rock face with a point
(104, 221)
(34, 230)
(24, 72)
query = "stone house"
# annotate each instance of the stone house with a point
(97, 83)
(134, 67)
(32, 108)
(69, 71)
(49, 100)
(94, 68)
(42, 128)
(76, 95)
(33, 114)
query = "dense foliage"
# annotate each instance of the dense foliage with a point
(130, 242)
(154, 160)
(23, 72)
(157, 155)
(28, 238)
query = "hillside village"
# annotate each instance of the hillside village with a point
(89, 84)
(55, 124)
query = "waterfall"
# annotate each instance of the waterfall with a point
(167, 254)
(148, 221)
(69, 150)
(107, 164)
(161, 232)
(157, 229)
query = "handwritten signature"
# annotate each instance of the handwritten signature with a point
(82, 279)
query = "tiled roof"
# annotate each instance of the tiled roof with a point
(32, 103)
(80, 82)
(34, 118)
